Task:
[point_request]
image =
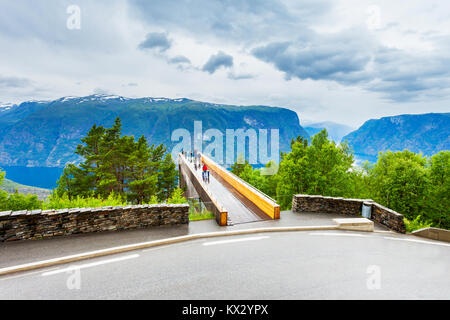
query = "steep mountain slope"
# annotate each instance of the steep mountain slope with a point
(46, 133)
(427, 133)
(11, 186)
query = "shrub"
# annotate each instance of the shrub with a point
(177, 197)
(17, 201)
(63, 202)
(416, 224)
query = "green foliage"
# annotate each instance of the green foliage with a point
(399, 180)
(413, 185)
(438, 195)
(17, 201)
(62, 202)
(177, 197)
(320, 168)
(118, 164)
(2, 177)
(416, 224)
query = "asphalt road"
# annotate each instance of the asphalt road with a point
(290, 265)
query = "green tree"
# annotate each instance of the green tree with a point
(177, 197)
(116, 163)
(238, 167)
(438, 195)
(399, 180)
(76, 181)
(320, 168)
(167, 179)
(143, 177)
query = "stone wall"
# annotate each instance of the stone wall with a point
(38, 224)
(352, 207)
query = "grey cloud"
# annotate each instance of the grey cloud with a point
(243, 21)
(14, 82)
(218, 60)
(240, 76)
(352, 58)
(179, 59)
(404, 77)
(318, 57)
(155, 40)
(101, 91)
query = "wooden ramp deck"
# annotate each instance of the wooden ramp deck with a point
(239, 207)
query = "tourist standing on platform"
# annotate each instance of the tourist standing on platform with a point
(205, 168)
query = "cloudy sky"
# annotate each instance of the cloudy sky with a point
(343, 60)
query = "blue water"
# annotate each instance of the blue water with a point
(42, 177)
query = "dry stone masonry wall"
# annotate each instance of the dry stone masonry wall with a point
(353, 207)
(38, 224)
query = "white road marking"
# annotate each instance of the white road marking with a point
(89, 265)
(26, 274)
(340, 234)
(211, 243)
(370, 236)
(419, 241)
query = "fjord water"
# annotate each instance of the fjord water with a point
(42, 177)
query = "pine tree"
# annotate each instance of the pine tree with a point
(116, 164)
(168, 177)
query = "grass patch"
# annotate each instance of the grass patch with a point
(205, 215)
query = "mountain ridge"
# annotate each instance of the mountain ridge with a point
(45, 133)
(426, 133)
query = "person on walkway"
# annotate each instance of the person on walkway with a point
(205, 168)
(207, 176)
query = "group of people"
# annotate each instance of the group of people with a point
(196, 158)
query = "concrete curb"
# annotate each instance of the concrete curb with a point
(149, 244)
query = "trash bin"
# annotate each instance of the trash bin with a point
(366, 211)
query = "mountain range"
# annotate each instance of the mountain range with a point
(421, 133)
(46, 133)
